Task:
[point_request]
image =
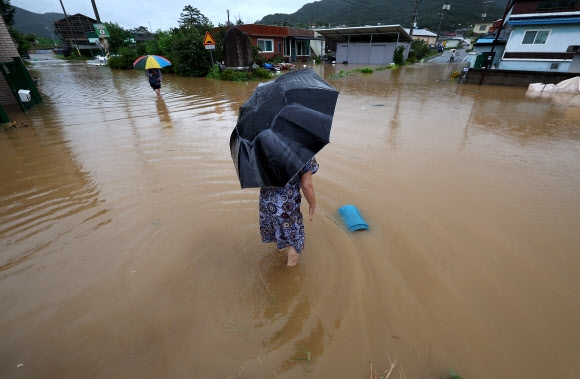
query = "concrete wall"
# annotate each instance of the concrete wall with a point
(7, 52)
(379, 53)
(514, 77)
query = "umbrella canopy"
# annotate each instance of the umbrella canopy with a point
(281, 127)
(151, 61)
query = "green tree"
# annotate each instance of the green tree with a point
(7, 12)
(190, 58)
(193, 17)
(24, 43)
(118, 38)
(141, 30)
(418, 50)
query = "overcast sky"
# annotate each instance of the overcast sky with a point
(163, 14)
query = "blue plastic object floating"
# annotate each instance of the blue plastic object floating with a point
(352, 218)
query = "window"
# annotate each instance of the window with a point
(302, 47)
(535, 37)
(267, 45)
(482, 27)
(279, 47)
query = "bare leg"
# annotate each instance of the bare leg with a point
(293, 256)
(158, 92)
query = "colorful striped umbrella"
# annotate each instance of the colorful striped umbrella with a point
(151, 61)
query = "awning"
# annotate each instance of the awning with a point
(308, 38)
(544, 20)
(379, 33)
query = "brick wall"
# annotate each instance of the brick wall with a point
(7, 52)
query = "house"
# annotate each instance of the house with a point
(292, 44)
(544, 36)
(481, 28)
(366, 44)
(17, 88)
(73, 31)
(482, 47)
(423, 34)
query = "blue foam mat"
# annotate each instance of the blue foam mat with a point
(352, 218)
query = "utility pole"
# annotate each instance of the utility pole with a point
(484, 14)
(96, 11)
(228, 11)
(414, 19)
(72, 38)
(446, 7)
(508, 6)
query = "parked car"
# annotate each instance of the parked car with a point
(439, 48)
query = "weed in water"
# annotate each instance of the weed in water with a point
(304, 356)
(453, 375)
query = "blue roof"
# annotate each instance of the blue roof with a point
(544, 20)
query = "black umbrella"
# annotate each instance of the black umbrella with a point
(281, 127)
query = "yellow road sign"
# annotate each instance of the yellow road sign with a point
(208, 40)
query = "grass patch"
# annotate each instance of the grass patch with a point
(365, 70)
(238, 76)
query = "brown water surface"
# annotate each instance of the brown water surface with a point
(128, 249)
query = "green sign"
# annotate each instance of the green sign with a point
(101, 30)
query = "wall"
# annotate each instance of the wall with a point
(575, 65)
(380, 53)
(514, 78)
(540, 57)
(7, 52)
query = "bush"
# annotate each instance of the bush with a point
(214, 73)
(261, 73)
(367, 70)
(276, 59)
(234, 76)
(398, 57)
(124, 60)
(418, 50)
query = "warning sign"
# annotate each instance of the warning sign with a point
(208, 40)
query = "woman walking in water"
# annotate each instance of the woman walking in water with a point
(280, 216)
(154, 75)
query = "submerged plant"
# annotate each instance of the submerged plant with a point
(453, 375)
(304, 356)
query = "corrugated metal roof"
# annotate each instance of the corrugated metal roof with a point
(342, 34)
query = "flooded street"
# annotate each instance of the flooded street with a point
(128, 249)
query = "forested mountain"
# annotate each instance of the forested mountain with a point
(462, 13)
(34, 23)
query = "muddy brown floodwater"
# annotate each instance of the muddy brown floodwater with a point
(128, 249)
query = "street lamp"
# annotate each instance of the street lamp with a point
(53, 41)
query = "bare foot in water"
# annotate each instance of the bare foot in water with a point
(292, 257)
